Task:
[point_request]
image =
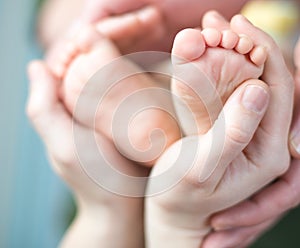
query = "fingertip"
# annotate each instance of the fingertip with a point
(256, 96)
(294, 147)
(40, 74)
(297, 54)
(213, 15)
(213, 19)
(42, 81)
(219, 223)
(243, 112)
(33, 69)
(239, 18)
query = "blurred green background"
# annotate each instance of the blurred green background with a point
(35, 206)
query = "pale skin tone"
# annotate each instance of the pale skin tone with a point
(94, 10)
(95, 205)
(50, 109)
(82, 55)
(255, 229)
(85, 54)
(227, 39)
(205, 90)
(244, 223)
(247, 166)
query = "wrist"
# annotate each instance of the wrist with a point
(165, 228)
(113, 207)
(112, 225)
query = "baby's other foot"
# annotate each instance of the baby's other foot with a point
(135, 137)
(208, 66)
(125, 31)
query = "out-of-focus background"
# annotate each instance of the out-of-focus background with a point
(35, 206)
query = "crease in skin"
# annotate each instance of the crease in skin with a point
(216, 151)
(213, 79)
(216, 147)
(210, 92)
(217, 130)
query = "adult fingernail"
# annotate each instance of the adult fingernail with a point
(295, 141)
(297, 54)
(222, 228)
(255, 98)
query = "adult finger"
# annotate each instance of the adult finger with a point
(131, 28)
(277, 120)
(44, 109)
(295, 128)
(271, 202)
(212, 19)
(239, 237)
(237, 123)
(95, 10)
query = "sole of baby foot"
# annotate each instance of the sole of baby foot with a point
(117, 80)
(208, 65)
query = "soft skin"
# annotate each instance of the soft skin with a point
(102, 215)
(174, 20)
(259, 155)
(242, 224)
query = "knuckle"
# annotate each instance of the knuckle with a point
(238, 135)
(281, 168)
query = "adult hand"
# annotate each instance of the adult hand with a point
(99, 211)
(244, 223)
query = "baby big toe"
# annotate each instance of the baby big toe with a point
(188, 45)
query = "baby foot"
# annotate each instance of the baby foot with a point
(135, 137)
(123, 30)
(208, 66)
(187, 206)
